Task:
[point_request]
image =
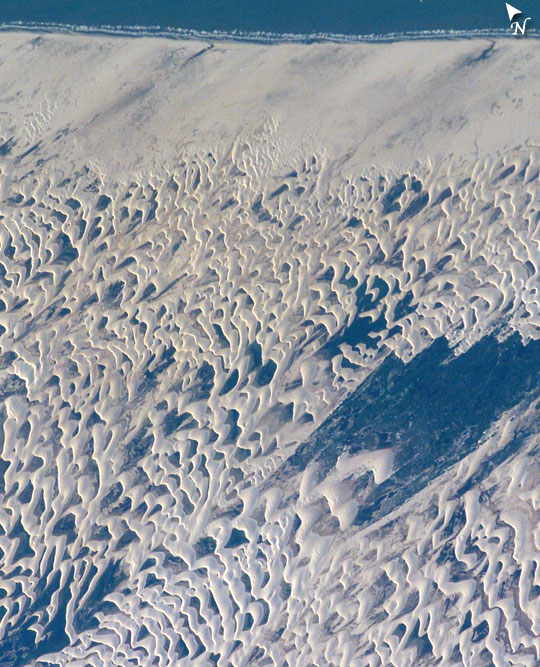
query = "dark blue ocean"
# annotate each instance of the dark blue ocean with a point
(297, 17)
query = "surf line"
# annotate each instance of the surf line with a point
(258, 37)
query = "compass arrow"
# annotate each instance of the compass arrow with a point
(512, 11)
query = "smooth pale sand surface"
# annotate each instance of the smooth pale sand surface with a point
(204, 251)
(134, 103)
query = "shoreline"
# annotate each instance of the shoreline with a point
(262, 37)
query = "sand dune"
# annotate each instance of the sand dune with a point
(205, 248)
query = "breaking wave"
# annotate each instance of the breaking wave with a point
(262, 37)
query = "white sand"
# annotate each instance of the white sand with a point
(218, 212)
(136, 103)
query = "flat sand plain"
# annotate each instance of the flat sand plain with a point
(134, 103)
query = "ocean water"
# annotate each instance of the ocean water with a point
(299, 17)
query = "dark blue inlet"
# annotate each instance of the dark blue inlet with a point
(433, 411)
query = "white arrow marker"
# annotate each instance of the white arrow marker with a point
(512, 11)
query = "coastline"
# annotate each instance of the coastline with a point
(261, 37)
